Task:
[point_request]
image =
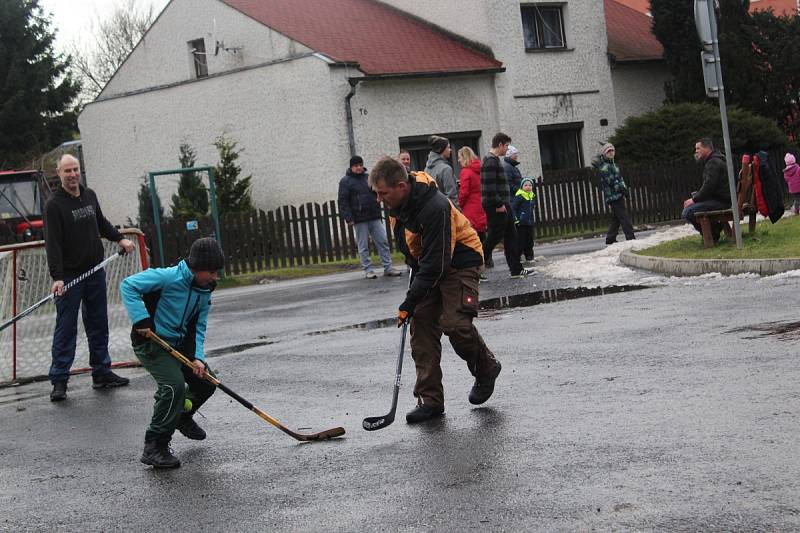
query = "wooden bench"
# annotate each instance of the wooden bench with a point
(745, 200)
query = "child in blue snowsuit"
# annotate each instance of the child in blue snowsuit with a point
(522, 204)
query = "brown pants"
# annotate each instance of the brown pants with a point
(449, 309)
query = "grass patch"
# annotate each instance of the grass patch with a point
(304, 271)
(770, 241)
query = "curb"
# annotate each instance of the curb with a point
(697, 267)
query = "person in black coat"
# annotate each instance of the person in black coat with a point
(359, 207)
(715, 193)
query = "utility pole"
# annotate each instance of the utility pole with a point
(706, 22)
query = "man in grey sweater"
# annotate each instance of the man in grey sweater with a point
(438, 167)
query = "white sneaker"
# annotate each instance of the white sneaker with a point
(392, 272)
(524, 273)
(370, 274)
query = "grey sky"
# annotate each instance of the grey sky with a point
(71, 18)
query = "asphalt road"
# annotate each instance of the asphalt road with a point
(672, 408)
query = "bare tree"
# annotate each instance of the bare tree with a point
(110, 41)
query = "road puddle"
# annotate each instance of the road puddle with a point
(491, 305)
(548, 296)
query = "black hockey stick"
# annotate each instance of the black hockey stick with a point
(67, 287)
(322, 435)
(373, 423)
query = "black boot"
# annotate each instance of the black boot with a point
(157, 454)
(59, 391)
(189, 428)
(423, 412)
(484, 387)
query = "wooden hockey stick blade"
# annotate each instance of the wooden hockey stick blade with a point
(322, 435)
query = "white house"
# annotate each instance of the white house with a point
(301, 84)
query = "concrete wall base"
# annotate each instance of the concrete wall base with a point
(696, 267)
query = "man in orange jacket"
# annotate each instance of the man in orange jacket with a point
(445, 255)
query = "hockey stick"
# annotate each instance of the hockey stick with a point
(67, 287)
(373, 423)
(379, 422)
(322, 435)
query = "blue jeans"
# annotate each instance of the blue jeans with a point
(92, 292)
(698, 207)
(375, 229)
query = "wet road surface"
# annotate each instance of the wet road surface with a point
(673, 408)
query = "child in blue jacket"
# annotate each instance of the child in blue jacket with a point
(522, 204)
(174, 302)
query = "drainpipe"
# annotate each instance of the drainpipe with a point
(351, 138)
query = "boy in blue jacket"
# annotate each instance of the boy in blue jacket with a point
(174, 302)
(522, 204)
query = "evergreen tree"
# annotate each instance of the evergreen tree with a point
(36, 87)
(674, 27)
(233, 192)
(192, 199)
(777, 44)
(145, 205)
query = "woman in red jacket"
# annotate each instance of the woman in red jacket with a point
(469, 195)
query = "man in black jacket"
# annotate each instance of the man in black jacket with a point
(445, 256)
(496, 200)
(73, 224)
(715, 192)
(359, 207)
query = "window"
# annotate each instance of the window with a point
(197, 50)
(543, 27)
(560, 146)
(419, 148)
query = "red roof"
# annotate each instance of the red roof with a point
(630, 34)
(779, 7)
(642, 6)
(380, 39)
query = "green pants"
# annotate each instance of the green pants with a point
(175, 383)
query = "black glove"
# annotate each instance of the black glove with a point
(145, 323)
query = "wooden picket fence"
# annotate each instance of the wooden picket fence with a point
(568, 202)
(289, 236)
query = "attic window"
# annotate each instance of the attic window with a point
(543, 27)
(197, 51)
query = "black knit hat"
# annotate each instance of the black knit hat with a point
(356, 160)
(438, 144)
(205, 254)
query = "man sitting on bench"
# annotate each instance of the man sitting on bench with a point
(715, 193)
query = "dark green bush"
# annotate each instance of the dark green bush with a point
(669, 133)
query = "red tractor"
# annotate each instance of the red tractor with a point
(22, 197)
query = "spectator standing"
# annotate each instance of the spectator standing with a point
(496, 202)
(714, 193)
(359, 207)
(438, 166)
(614, 192)
(73, 224)
(792, 176)
(522, 204)
(469, 190)
(513, 175)
(405, 158)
